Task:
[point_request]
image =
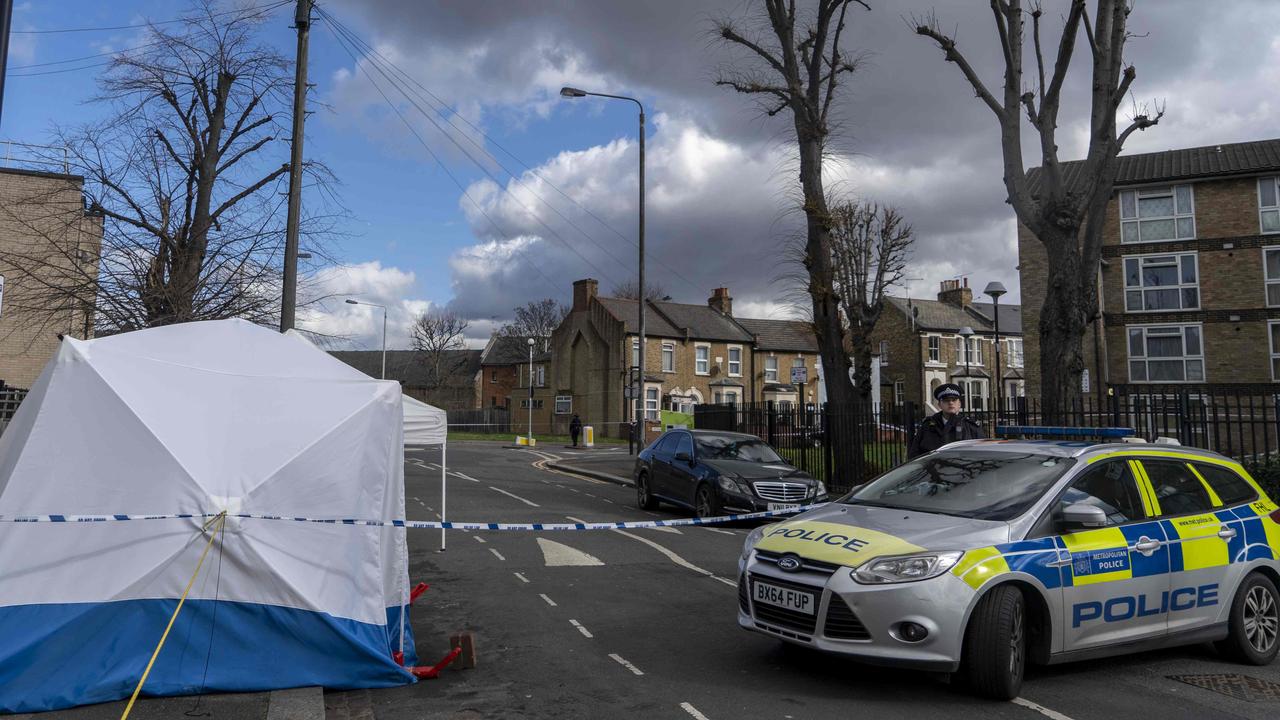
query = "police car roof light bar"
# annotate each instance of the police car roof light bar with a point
(1099, 432)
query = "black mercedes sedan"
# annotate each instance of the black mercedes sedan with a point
(715, 473)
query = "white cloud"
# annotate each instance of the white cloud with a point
(359, 327)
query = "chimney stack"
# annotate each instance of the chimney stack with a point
(721, 301)
(954, 292)
(583, 291)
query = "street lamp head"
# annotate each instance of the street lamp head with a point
(995, 289)
(572, 92)
(965, 331)
(352, 302)
(530, 342)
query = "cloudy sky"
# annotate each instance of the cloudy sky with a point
(482, 189)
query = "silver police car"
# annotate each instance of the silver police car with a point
(987, 555)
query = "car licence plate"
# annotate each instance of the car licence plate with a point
(784, 506)
(785, 598)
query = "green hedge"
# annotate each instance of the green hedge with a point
(1267, 475)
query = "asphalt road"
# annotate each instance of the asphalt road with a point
(641, 624)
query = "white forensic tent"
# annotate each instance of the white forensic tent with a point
(423, 424)
(200, 418)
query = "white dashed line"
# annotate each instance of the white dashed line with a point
(693, 711)
(522, 578)
(608, 501)
(626, 664)
(464, 477)
(497, 554)
(550, 602)
(1052, 714)
(479, 539)
(718, 530)
(584, 631)
(433, 466)
(572, 489)
(517, 497)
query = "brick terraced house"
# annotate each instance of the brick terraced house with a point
(1190, 283)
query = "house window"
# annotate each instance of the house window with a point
(651, 403)
(1161, 282)
(1269, 203)
(771, 369)
(668, 357)
(1274, 329)
(537, 404)
(564, 404)
(1015, 352)
(974, 354)
(899, 392)
(1271, 268)
(884, 353)
(975, 394)
(1159, 213)
(493, 376)
(702, 360)
(1166, 353)
(935, 349)
(540, 375)
(635, 353)
(735, 361)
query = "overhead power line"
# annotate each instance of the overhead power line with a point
(102, 28)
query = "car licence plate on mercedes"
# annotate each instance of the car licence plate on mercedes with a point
(785, 598)
(783, 506)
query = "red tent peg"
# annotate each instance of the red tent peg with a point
(417, 591)
(430, 673)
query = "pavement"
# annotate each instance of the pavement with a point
(295, 704)
(609, 465)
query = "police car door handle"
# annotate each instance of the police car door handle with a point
(1146, 545)
(1227, 532)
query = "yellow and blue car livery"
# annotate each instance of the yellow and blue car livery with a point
(891, 582)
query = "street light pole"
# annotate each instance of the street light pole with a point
(995, 289)
(637, 429)
(530, 438)
(965, 333)
(384, 331)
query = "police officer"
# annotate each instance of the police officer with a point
(945, 426)
(575, 429)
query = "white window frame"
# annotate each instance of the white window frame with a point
(1268, 282)
(771, 373)
(1269, 210)
(540, 375)
(933, 345)
(972, 349)
(652, 402)
(978, 390)
(732, 362)
(899, 392)
(564, 404)
(884, 353)
(1186, 357)
(1161, 260)
(1179, 212)
(701, 362)
(524, 403)
(1015, 352)
(668, 357)
(1273, 334)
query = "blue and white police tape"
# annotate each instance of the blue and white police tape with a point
(414, 524)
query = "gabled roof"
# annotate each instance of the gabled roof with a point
(945, 317)
(676, 320)
(409, 367)
(1259, 156)
(628, 311)
(787, 335)
(513, 350)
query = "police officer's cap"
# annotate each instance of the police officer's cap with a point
(947, 390)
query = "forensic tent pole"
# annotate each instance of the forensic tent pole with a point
(444, 464)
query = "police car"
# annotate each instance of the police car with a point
(988, 554)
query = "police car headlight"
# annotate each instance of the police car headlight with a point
(753, 537)
(905, 568)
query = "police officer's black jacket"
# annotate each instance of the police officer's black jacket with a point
(936, 431)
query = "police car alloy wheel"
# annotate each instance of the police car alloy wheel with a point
(644, 499)
(995, 644)
(1254, 623)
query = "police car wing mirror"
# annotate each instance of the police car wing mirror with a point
(1084, 515)
(684, 457)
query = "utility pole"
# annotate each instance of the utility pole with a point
(6, 18)
(289, 301)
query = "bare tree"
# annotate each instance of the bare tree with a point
(186, 176)
(434, 335)
(795, 63)
(630, 290)
(536, 319)
(1065, 213)
(869, 251)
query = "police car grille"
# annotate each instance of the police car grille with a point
(841, 623)
(816, 566)
(744, 596)
(782, 617)
(781, 491)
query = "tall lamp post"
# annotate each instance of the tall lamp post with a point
(965, 333)
(571, 92)
(384, 331)
(530, 438)
(995, 289)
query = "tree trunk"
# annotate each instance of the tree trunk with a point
(1063, 320)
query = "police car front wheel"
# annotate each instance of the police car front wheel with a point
(995, 644)
(1254, 623)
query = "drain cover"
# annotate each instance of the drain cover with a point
(1241, 687)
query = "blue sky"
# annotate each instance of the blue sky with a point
(720, 177)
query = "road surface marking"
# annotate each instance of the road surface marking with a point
(609, 501)
(571, 489)
(479, 539)
(517, 497)
(1052, 714)
(626, 664)
(668, 530)
(415, 497)
(463, 476)
(581, 629)
(588, 494)
(496, 554)
(559, 555)
(550, 602)
(523, 579)
(693, 711)
(672, 556)
(718, 530)
(433, 466)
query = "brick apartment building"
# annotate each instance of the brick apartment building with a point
(455, 390)
(46, 236)
(1190, 282)
(694, 354)
(503, 380)
(918, 345)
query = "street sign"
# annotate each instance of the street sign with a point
(799, 375)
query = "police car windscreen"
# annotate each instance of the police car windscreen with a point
(969, 483)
